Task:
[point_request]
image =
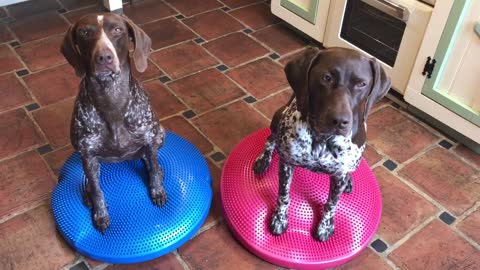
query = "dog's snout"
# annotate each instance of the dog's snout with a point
(104, 57)
(341, 121)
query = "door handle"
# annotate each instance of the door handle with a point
(387, 6)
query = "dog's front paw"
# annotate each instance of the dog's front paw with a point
(261, 164)
(324, 232)
(101, 219)
(278, 224)
(158, 195)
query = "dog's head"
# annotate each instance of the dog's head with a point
(98, 45)
(336, 88)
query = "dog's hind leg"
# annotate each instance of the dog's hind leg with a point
(155, 172)
(279, 222)
(94, 194)
(263, 160)
(326, 227)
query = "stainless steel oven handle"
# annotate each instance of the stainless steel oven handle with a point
(393, 9)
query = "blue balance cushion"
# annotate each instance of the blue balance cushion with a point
(139, 230)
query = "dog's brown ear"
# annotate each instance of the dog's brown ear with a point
(71, 53)
(142, 44)
(298, 71)
(380, 86)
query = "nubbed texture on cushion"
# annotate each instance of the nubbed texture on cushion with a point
(249, 201)
(139, 230)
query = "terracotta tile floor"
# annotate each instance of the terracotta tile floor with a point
(215, 76)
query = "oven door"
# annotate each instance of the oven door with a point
(389, 30)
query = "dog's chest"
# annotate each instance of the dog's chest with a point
(296, 146)
(123, 130)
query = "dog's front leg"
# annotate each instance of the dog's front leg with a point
(94, 194)
(326, 227)
(279, 222)
(349, 187)
(263, 160)
(157, 191)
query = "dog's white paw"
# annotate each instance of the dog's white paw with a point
(278, 224)
(324, 232)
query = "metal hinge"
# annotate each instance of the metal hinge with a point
(428, 68)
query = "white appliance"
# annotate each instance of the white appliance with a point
(390, 30)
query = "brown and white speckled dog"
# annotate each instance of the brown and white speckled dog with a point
(112, 119)
(323, 126)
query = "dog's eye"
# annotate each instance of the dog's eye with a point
(361, 84)
(327, 78)
(84, 32)
(117, 30)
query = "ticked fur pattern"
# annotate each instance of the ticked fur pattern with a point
(89, 122)
(298, 145)
(106, 127)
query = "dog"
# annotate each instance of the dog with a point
(323, 126)
(112, 119)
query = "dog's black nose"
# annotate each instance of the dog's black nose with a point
(104, 57)
(340, 122)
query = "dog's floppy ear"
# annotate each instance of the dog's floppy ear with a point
(298, 71)
(71, 53)
(142, 44)
(380, 86)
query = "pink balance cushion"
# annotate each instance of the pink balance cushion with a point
(249, 201)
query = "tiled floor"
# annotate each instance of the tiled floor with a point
(215, 76)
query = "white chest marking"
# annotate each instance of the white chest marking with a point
(296, 146)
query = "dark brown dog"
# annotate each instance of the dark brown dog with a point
(323, 127)
(112, 119)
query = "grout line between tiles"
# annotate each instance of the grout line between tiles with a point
(246, 5)
(282, 57)
(417, 190)
(467, 213)
(391, 264)
(382, 255)
(42, 39)
(214, 146)
(180, 260)
(14, 36)
(245, 24)
(420, 122)
(17, 56)
(220, 62)
(258, 111)
(43, 200)
(460, 219)
(52, 173)
(466, 238)
(64, 18)
(401, 165)
(407, 236)
(469, 162)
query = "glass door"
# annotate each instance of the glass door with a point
(376, 27)
(307, 9)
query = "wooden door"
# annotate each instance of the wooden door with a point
(455, 81)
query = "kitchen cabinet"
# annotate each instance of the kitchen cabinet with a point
(450, 94)
(309, 16)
